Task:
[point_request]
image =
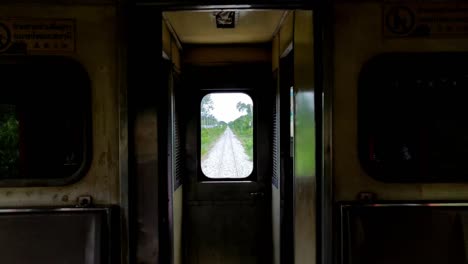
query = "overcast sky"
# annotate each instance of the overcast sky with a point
(224, 105)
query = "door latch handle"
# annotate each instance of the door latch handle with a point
(257, 194)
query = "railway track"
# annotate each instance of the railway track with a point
(227, 158)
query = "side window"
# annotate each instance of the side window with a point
(226, 135)
(412, 117)
(9, 141)
(44, 122)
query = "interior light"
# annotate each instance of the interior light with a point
(225, 19)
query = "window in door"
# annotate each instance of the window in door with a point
(226, 135)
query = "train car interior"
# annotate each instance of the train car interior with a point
(226, 132)
(226, 190)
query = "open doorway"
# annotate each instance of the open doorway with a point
(226, 109)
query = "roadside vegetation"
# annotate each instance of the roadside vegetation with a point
(243, 128)
(9, 142)
(209, 136)
(211, 128)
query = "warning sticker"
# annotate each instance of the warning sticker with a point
(37, 35)
(426, 19)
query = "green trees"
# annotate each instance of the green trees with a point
(242, 107)
(243, 127)
(206, 105)
(207, 119)
(211, 128)
(9, 142)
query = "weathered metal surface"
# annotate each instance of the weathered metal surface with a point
(305, 162)
(358, 37)
(96, 51)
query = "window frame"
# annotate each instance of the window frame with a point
(252, 177)
(82, 77)
(408, 65)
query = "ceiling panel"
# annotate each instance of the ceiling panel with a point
(195, 27)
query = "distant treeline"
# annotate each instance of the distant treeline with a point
(212, 128)
(243, 128)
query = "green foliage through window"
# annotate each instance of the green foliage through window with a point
(9, 142)
(243, 128)
(226, 130)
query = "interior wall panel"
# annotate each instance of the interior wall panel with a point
(166, 39)
(177, 226)
(95, 27)
(276, 224)
(286, 32)
(209, 55)
(147, 77)
(275, 49)
(358, 37)
(175, 55)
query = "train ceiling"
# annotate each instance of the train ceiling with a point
(225, 27)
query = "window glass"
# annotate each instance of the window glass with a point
(412, 117)
(9, 141)
(226, 124)
(44, 122)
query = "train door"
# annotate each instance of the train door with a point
(227, 200)
(227, 97)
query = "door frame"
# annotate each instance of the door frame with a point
(143, 11)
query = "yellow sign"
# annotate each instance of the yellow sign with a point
(37, 35)
(425, 19)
